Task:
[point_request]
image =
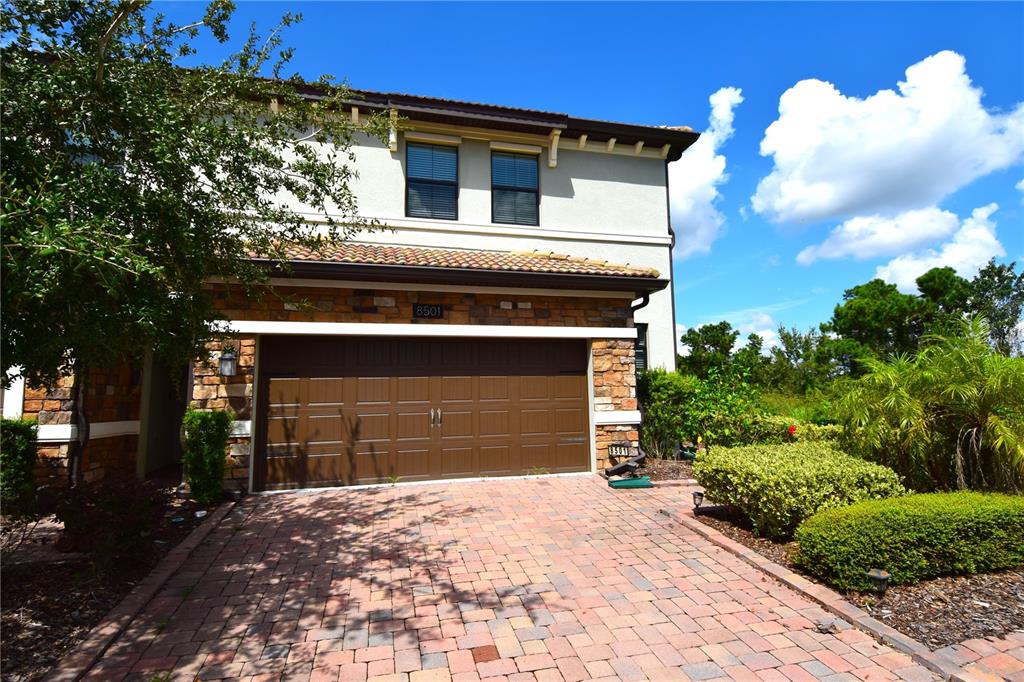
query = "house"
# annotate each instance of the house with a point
(494, 330)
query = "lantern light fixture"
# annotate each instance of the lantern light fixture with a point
(229, 361)
(698, 499)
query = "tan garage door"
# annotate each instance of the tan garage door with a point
(361, 410)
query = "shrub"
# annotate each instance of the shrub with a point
(664, 397)
(113, 518)
(778, 486)
(914, 538)
(205, 452)
(17, 466)
(951, 417)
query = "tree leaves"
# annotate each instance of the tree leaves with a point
(128, 182)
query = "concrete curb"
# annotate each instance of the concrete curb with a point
(830, 600)
(77, 662)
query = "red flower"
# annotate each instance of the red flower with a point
(792, 429)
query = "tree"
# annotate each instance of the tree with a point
(950, 417)
(946, 296)
(710, 347)
(751, 361)
(794, 364)
(879, 319)
(128, 182)
(997, 294)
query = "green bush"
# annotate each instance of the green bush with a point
(17, 466)
(664, 397)
(914, 538)
(113, 519)
(951, 417)
(205, 452)
(778, 486)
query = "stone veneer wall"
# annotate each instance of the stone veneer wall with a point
(614, 389)
(614, 360)
(112, 395)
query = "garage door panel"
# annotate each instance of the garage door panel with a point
(360, 410)
(533, 388)
(570, 420)
(534, 422)
(324, 429)
(373, 390)
(537, 456)
(412, 425)
(413, 389)
(494, 388)
(373, 427)
(412, 463)
(285, 391)
(495, 459)
(325, 392)
(456, 424)
(494, 423)
(457, 389)
(458, 462)
(565, 388)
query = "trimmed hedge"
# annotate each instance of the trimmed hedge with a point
(205, 453)
(17, 466)
(775, 429)
(914, 538)
(778, 486)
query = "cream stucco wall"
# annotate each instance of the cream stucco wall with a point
(593, 204)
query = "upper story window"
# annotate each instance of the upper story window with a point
(431, 181)
(514, 195)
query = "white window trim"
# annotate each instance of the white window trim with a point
(436, 330)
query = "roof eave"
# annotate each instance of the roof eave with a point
(416, 274)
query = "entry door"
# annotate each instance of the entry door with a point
(345, 411)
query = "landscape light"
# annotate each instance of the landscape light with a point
(698, 499)
(879, 580)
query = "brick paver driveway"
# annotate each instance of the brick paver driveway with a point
(546, 579)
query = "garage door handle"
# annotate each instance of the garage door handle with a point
(439, 416)
(433, 421)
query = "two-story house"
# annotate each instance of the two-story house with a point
(495, 330)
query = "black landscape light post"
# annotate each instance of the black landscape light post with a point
(698, 499)
(879, 580)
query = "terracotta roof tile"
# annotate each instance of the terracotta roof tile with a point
(534, 261)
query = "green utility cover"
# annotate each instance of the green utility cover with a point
(642, 482)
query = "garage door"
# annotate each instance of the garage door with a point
(361, 410)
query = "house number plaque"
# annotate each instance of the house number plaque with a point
(424, 311)
(620, 451)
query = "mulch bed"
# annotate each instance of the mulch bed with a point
(937, 612)
(47, 607)
(667, 469)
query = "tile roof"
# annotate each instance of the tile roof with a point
(533, 261)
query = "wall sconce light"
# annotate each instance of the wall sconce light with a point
(698, 499)
(879, 580)
(229, 362)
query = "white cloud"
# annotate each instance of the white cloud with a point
(763, 325)
(1020, 188)
(695, 177)
(681, 348)
(836, 156)
(871, 236)
(973, 244)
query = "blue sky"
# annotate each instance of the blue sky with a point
(902, 171)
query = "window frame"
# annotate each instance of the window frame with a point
(641, 347)
(431, 181)
(507, 188)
